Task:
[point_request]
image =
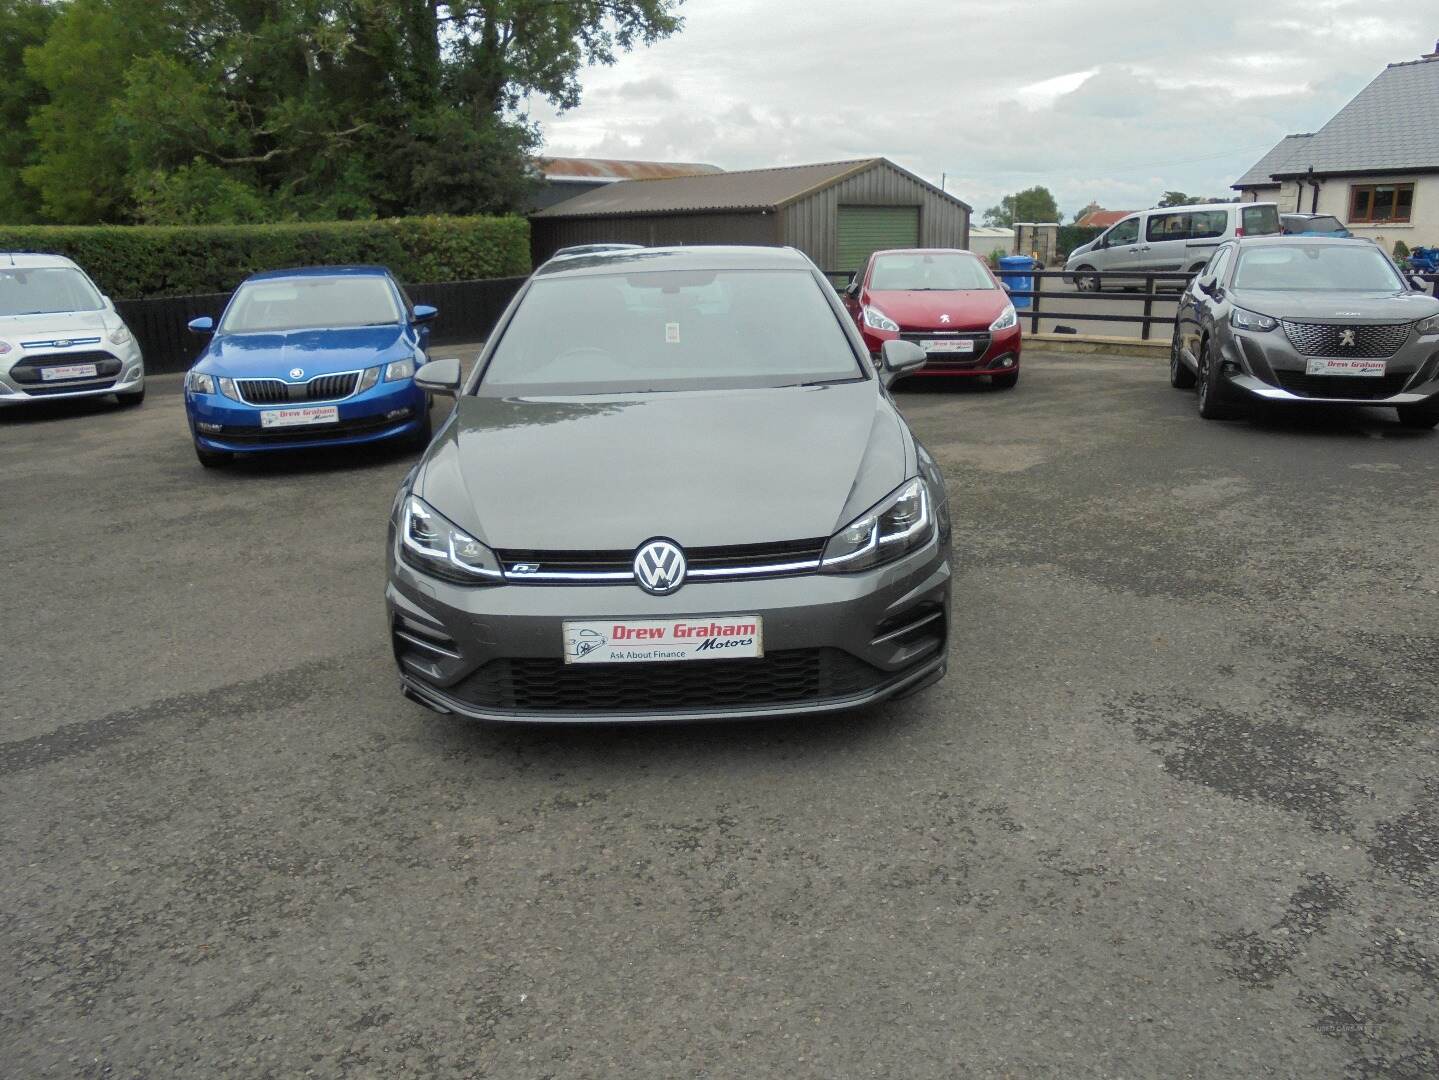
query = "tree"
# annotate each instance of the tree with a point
(23, 25)
(1032, 204)
(1177, 198)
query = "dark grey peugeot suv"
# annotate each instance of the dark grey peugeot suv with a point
(1299, 320)
(673, 488)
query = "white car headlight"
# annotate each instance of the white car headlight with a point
(430, 543)
(199, 383)
(901, 522)
(120, 335)
(399, 369)
(1250, 320)
(1007, 318)
(878, 320)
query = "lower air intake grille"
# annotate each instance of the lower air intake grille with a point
(1352, 387)
(781, 678)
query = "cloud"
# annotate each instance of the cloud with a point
(1114, 100)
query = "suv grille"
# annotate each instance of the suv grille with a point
(1355, 388)
(1329, 339)
(781, 678)
(276, 392)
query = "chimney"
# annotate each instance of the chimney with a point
(1433, 55)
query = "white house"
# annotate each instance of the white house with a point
(1374, 166)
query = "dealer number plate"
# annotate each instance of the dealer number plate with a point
(67, 371)
(949, 345)
(630, 641)
(312, 414)
(1361, 368)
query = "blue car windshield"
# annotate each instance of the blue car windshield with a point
(310, 303)
(46, 290)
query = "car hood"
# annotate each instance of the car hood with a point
(1082, 249)
(60, 324)
(317, 352)
(968, 309)
(703, 468)
(1337, 306)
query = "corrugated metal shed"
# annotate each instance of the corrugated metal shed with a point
(797, 205)
(609, 169)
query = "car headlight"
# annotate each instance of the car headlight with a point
(399, 369)
(4, 347)
(900, 523)
(120, 335)
(227, 387)
(1426, 326)
(199, 383)
(1007, 318)
(430, 543)
(1250, 320)
(368, 378)
(878, 320)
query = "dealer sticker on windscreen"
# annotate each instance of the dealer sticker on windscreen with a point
(1371, 368)
(700, 637)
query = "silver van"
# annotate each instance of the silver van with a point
(1167, 239)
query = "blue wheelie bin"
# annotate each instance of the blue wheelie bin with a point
(1017, 273)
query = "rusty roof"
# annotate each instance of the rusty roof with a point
(1102, 219)
(576, 168)
(749, 189)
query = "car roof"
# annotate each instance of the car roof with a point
(1288, 239)
(696, 257)
(1200, 206)
(321, 271)
(927, 251)
(32, 259)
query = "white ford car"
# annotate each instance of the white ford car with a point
(60, 338)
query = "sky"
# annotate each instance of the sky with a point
(1112, 101)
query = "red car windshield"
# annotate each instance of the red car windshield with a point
(929, 272)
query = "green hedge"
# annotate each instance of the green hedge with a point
(139, 261)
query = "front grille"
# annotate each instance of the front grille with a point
(234, 433)
(72, 387)
(277, 392)
(1333, 339)
(951, 360)
(704, 563)
(782, 678)
(27, 371)
(1353, 387)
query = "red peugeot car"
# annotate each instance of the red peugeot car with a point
(947, 302)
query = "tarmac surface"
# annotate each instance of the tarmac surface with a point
(1174, 812)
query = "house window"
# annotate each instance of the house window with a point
(1380, 202)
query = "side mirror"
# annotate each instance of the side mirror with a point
(1419, 283)
(439, 376)
(1209, 286)
(424, 312)
(901, 357)
(203, 325)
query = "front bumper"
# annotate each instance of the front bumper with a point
(1265, 365)
(119, 369)
(997, 353)
(387, 410)
(832, 642)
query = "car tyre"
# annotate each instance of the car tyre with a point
(1423, 417)
(420, 438)
(1180, 377)
(1005, 381)
(132, 397)
(1085, 280)
(213, 459)
(1212, 405)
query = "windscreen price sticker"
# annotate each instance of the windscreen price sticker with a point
(633, 641)
(1370, 368)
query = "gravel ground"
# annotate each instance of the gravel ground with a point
(1174, 813)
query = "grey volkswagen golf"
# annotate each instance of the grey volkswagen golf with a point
(674, 487)
(1295, 320)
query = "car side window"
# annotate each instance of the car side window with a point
(1126, 232)
(1217, 265)
(1167, 227)
(1207, 224)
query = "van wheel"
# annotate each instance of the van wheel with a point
(1085, 280)
(1424, 416)
(1212, 405)
(1180, 377)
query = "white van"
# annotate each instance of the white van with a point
(1168, 239)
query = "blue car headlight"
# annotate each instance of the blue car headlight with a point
(199, 383)
(368, 378)
(399, 369)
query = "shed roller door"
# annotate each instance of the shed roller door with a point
(864, 230)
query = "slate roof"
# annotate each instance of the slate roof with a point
(1392, 125)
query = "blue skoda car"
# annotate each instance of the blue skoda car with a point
(316, 357)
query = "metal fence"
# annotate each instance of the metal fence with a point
(468, 311)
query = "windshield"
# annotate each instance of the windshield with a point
(1320, 224)
(45, 290)
(1358, 267)
(311, 303)
(920, 272)
(671, 330)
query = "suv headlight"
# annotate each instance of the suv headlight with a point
(199, 383)
(1429, 325)
(901, 522)
(399, 369)
(878, 320)
(1250, 320)
(120, 335)
(1007, 318)
(430, 543)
